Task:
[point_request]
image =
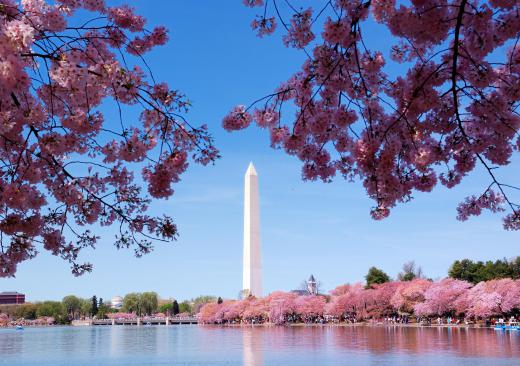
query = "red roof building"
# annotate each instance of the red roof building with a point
(11, 298)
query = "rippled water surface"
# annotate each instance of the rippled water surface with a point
(196, 345)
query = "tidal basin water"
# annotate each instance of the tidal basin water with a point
(197, 345)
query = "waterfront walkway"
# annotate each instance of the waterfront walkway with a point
(138, 321)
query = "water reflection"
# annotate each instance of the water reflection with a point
(369, 342)
(258, 346)
(252, 346)
(459, 341)
(11, 342)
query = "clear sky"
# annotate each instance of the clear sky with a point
(323, 229)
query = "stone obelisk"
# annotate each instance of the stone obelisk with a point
(252, 275)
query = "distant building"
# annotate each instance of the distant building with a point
(312, 285)
(116, 302)
(309, 287)
(11, 298)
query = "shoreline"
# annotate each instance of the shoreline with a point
(372, 325)
(360, 324)
(268, 326)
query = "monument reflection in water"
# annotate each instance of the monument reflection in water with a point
(252, 345)
(257, 345)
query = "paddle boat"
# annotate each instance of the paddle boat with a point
(508, 326)
(19, 327)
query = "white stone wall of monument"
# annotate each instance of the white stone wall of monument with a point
(252, 271)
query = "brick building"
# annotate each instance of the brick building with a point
(11, 298)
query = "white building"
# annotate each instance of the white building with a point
(116, 302)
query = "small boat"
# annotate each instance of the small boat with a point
(507, 326)
(19, 327)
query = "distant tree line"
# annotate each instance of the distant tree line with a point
(145, 303)
(73, 307)
(409, 272)
(475, 272)
(464, 270)
(69, 308)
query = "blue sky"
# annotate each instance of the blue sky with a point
(324, 229)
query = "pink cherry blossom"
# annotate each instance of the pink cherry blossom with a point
(450, 109)
(310, 308)
(64, 167)
(237, 119)
(282, 307)
(488, 298)
(253, 3)
(511, 299)
(264, 26)
(440, 297)
(300, 34)
(354, 302)
(410, 293)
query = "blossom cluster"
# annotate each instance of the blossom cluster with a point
(63, 163)
(419, 297)
(5, 321)
(451, 106)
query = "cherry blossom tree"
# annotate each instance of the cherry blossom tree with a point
(440, 297)
(310, 308)
(486, 299)
(257, 311)
(282, 307)
(64, 165)
(121, 315)
(4, 320)
(341, 289)
(453, 108)
(409, 293)
(354, 302)
(337, 307)
(347, 301)
(207, 313)
(227, 311)
(511, 299)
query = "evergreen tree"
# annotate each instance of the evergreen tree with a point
(94, 305)
(376, 276)
(175, 308)
(475, 272)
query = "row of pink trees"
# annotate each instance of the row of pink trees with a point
(420, 297)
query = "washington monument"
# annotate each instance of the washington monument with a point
(252, 276)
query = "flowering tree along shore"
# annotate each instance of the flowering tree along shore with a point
(64, 166)
(354, 303)
(454, 106)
